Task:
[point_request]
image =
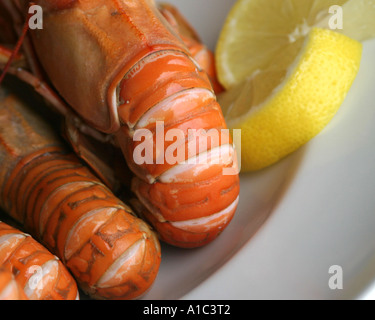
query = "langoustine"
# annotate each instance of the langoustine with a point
(35, 273)
(111, 253)
(198, 50)
(122, 68)
(10, 289)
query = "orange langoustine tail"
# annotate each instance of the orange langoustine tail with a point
(38, 274)
(139, 73)
(111, 253)
(10, 289)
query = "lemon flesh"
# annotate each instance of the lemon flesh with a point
(262, 34)
(286, 71)
(280, 109)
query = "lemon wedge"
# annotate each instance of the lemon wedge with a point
(259, 34)
(280, 110)
(286, 71)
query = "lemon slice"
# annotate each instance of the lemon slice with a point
(262, 34)
(286, 78)
(282, 107)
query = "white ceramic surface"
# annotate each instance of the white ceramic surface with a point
(313, 210)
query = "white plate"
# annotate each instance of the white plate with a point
(296, 219)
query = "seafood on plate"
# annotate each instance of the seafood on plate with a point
(46, 188)
(124, 72)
